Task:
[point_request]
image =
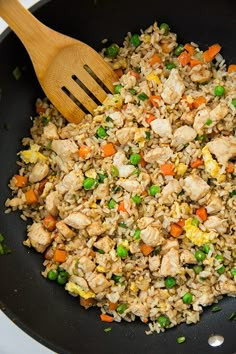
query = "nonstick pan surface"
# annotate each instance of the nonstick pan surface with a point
(42, 309)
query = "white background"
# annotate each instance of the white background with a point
(12, 339)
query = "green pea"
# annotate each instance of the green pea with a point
(187, 298)
(101, 133)
(221, 270)
(89, 183)
(219, 91)
(195, 221)
(233, 272)
(206, 248)
(154, 189)
(170, 282)
(233, 102)
(62, 278)
(163, 321)
(135, 159)
(208, 122)
(142, 96)
(215, 308)
(117, 88)
(179, 49)
(121, 308)
(112, 51)
(114, 171)
(219, 257)
(137, 234)
(170, 66)
(137, 199)
(165, 28)
(135, 40)
(52, 274)
(121, 251)
(197, 269)
(199, 255)
(111, 204)
(116, 278)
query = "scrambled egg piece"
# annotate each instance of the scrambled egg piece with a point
(153, 77)
(113, 101)
(140, 136)
(181, 168)
(211, 166)
(32, 155)
(133, 287)
(197, 236)
(101, 269)
(77, 290)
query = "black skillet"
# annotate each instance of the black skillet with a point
(42, 309)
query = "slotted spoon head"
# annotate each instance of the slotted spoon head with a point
(74, 77)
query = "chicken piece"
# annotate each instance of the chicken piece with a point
(119, 159)
(77, 220)
(200, 120)
(65, 230)
(71, 130)
(154, 263)
(172, 243)
(130, 185)
(102, 190)
(50, 132)
(125, 135)
(172, 187)
(214, 204)
(105, 244)
(200, 74)
(214, 223)
(144, 222)
(134, 247)
(38, 172)
(188, 117)
(223, 148)
(139, 309)
(162, 127)
(227, 287)
(64, 148)
(151, 236)
(195, 187)
(187, 257)
(39, 238)
(173, 88)
(70, 182)
(51, 203)
(183, 135)
(125, 170)
(86, 264)
(97, 282)
(96, 229)
(218, 113)
(206, 298)
(170, 263)
(158, 154)
(117, 118)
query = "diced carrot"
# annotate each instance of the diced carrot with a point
(121, 207)
(231, 68)
(84, 151)
(48, 254)
(189, 104)
(20, 181)
(181, 222)
(108, 149)
(50, 222)
(106, 318)
(230, 167)
(145, 320)
(60, 256)
(142, 161)
(31, 197)
(42, 185)
(150, 117)
(190, 48)
(86, 303)
(196, 163)
(184, 58)
(124, 106)
(112, 305)
(211, 52)
(194, 62)
(154, 100)
(155, 59)
(40, 109)
(198, 101)
(202, 213)
(175, 230)
(134, 73)
(92, 253)
(167, 169)
(145, 249)
(119, 72)
(206, 56)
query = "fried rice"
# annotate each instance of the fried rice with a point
(134, 208)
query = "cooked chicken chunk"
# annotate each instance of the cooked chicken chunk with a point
(97, 282)
(105, 243)
(206, 298)
(86, 264)
(187, 257)
(183, 135)
(195, 187)
(158, 154)
(173, 88)
(172, 243)
(50, 131)
(214, 223)
(96, 228)
(154, 263)
(223, 148)
(125, 170)
(51, 203)
(64, 148)
(227, 287)
(64, 230)
(170, 263)
(130, 185)
(117, 118)
(188, 117)
(214, 205)
(172, 187)
(162, 127)
(39, 171)
(200, 74)
(39, 238)
(102, 190)
(124, 135)
(151, 236)
(219, 112)
(77, 220)
(144, 222)
(200, 119)
(70, 182)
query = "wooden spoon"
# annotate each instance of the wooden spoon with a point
(73, 76)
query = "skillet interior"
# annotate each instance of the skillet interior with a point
(43, 309)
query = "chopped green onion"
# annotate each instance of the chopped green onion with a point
(17, 73)
(136, 172)
(117, 88)
(197, 269)
(148, 135)
(208, 122)
(121, 308)
(206, 248)
(170, 66)
(233, 271)
(233, 102)
(132, 91)
(114, 171)
(232, 316)
(137, 234)
(101, 251)
(195, 221)
(111, 204)
(142, 96)
(108, 119)
(221, 270)
(101, 177)
(216, 308)
(116, 189)
(107, 330)
(179, 49)
(232, 194)
(180, 340)
(219, 257)
(165, 28)
(44, 120)
(123, 225)
(116, 278)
